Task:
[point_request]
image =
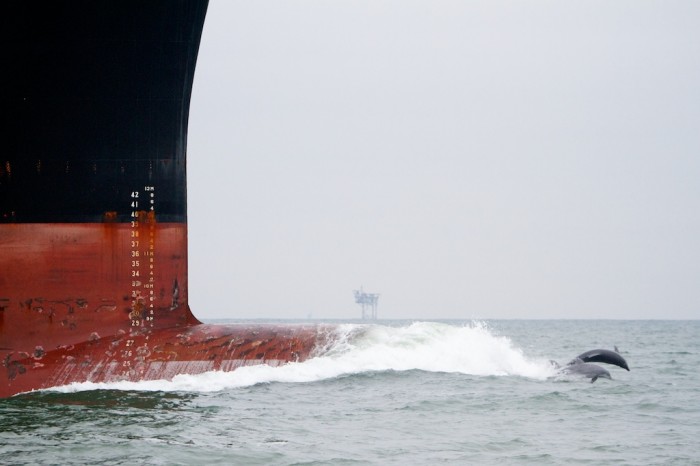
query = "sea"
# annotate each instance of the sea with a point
(392, 393)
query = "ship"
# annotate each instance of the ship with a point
(93, 201)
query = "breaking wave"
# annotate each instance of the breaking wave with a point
(359, 348)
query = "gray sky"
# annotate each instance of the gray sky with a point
(465, 159)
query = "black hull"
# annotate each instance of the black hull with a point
(95, 102)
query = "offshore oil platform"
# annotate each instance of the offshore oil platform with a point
(368, 302)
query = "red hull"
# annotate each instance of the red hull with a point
(106, 302)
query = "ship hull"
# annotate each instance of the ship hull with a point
(93, 200)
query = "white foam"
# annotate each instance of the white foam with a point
(426, 346)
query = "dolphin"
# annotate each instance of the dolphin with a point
(603, 355)
(581, 364)
(586, 369)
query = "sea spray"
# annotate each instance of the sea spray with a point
(358, 348)
(435, 347)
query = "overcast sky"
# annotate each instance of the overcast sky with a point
(464, 159)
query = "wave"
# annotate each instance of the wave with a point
(359, 348)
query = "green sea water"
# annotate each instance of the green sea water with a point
(399, 392)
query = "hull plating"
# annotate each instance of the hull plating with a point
(66, 283)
